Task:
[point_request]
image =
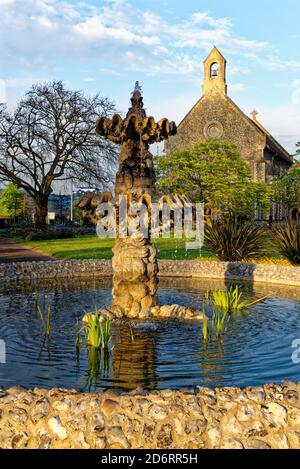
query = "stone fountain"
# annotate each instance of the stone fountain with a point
(134, 262)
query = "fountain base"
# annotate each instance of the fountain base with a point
(164, 311)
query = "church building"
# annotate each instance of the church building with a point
(215, 115)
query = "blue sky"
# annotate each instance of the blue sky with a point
(107, 45)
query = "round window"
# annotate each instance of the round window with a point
(213, 130)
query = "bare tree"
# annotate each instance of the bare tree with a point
(51, 137)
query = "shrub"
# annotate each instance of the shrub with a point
(288, 240)
(47, 235)
(233, 240)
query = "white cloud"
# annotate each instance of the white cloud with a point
(273, 62)
(109, 71)
(237, 87)
(43, 21)
(88, 79)
(2, 91)
(175, 108)
(283, 122)
(94, 29)
(16, 82)
(205, 18)
(296, 92)
(234, 70)
(45, 30)
(119, 37)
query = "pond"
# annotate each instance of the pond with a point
(256, 347)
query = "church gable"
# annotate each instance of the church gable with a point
(215, 115)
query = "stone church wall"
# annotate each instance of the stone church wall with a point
(216, 116)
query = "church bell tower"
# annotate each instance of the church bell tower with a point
(214, 72)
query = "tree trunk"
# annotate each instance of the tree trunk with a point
(41, 211)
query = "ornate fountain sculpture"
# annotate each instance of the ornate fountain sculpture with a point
(134, 257)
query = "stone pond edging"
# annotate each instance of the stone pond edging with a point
(254, 418)
(266, 273)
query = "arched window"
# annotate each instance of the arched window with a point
(214, 70)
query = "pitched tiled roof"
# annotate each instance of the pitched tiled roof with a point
(273, 144)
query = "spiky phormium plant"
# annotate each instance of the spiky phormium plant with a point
(288, 240)
(234, 240)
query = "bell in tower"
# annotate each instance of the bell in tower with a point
(215, 72)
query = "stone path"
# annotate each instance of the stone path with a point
(12, 252)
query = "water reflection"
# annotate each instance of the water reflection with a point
(134, 356)
(99, 365)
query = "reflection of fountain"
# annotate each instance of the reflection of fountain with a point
(134, 358)
(134, 256)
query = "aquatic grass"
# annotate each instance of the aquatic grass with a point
(224, 303)
(220, 299)
(105, 331)
(214, 327)
(98, 339)
(230, 300)
(205, 328)
(36, 299)
(98, 331)
(45, 316)
(219, 320)
(93, 330)
(247, 304)
(79, 329)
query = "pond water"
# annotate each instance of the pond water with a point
(255, 349)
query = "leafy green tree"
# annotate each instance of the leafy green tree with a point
(12, 201)
(50, 136)
(287, 189)
(298, 150)
(80, 216)
(214, 173)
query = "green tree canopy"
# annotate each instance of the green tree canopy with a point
(287, 189)
(50, 136)
(298, 150)
(12, 201)
(212, 172)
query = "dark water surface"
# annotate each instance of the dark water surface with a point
(256, 347)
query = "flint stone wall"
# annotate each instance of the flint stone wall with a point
(266, 273)
(253, 418)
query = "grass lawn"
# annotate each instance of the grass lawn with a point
(92, 247)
